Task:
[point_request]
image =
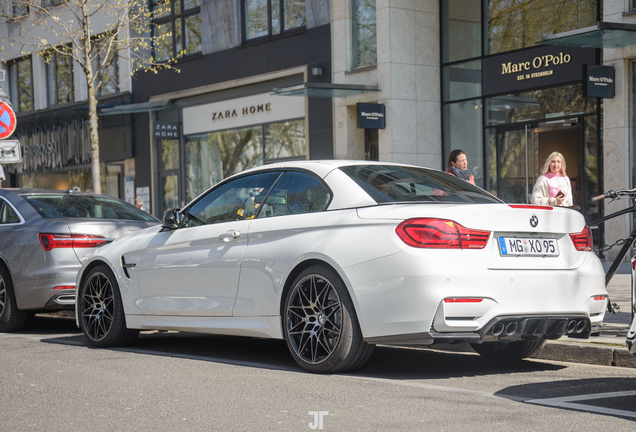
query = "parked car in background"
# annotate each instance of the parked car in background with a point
(45, 235)
(338, 256)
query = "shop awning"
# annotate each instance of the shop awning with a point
(603, 35)
(135, 108)
(325, 90)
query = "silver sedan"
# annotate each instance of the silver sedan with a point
(45, 235)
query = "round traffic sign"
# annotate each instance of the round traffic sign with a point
(7, 121)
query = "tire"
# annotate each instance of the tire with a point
(320, 324)
(102, 318)
(502, 351)
(12, 319)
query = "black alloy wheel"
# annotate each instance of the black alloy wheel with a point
(320, 324)
(101, 311)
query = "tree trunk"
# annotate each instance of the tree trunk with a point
(93, 128)
(93, 124)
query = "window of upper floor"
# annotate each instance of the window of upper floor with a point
(59, 79)
(269, 18)
(21, 84)
(176, 28)
(363, 33)
(23, 7)
(106, 69)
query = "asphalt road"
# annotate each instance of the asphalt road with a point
(51, 380)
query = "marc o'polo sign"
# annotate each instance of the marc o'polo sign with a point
(371, 116)
(536, 67)
(599, 81)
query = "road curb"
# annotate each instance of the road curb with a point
(587, 353)
(573, 352)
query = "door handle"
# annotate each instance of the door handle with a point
(230, 235)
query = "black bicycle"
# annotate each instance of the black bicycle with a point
(626, 243)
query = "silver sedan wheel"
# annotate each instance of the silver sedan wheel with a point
(97, 306)
(3, 295)
(11, 318)
(314, 319)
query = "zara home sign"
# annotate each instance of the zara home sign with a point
(242, 112)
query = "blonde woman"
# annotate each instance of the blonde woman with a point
(553, 186)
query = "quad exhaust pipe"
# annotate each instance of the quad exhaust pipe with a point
(575, 326)
(499, 328)
(530, 328)
(511, 328)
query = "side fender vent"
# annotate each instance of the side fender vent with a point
(125, 266)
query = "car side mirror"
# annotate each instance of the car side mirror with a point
(171, 219)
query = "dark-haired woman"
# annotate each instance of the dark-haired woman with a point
(458, 166)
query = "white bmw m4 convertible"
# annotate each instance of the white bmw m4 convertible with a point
(338, 256)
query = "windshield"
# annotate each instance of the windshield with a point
(390, 184)
(85, 206)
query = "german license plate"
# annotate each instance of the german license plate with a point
(515, 246)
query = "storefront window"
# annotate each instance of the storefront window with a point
(591, 167)
(169, 154)
(538, 104)
(462, 81)
(461, 29)
(170, 191)
(462, 130)
(169, 174)
(364, 36)
(285, 140)
(514, 24)
(211, 157)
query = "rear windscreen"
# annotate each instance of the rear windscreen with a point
(390, 184)
(82, 206)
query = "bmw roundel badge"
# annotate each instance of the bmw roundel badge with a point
(534, 221)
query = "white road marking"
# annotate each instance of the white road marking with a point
(568, 402)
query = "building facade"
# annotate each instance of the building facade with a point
(477, 75)
(271, 80)
(49, 96)
(218, 115)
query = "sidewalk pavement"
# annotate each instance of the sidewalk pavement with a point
(608, 348)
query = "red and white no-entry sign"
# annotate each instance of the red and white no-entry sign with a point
(7, 121)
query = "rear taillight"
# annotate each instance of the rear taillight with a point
(440, 234)
(462, 300)
(52, 241)
(583, 240)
